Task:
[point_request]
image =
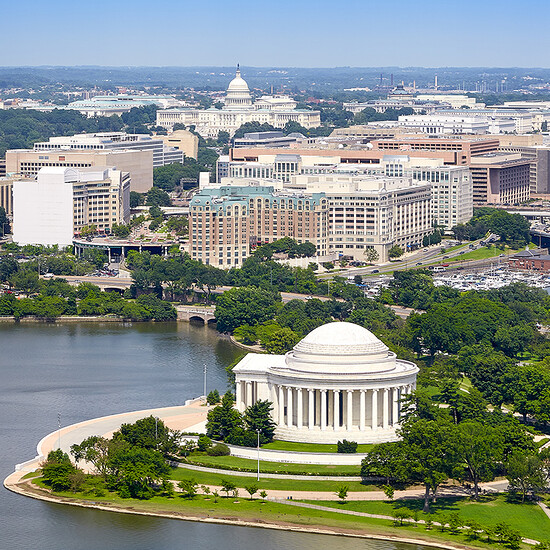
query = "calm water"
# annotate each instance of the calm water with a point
(84, 371)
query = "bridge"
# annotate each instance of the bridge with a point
(193, 313)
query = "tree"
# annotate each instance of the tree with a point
(480, 448)
(157, 197)
(525, 474)
(213, 398)
(227, 487)
(371, 255)
(387, 460)
(136, 199)
(149, 433)
(188, 488)
(282, 341)
(342, 493)
(430, 451)
(395, 252)
(245, 306)
(251, 490)
(223, 419)
(258, 417)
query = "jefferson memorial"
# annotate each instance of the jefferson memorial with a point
(339, 382)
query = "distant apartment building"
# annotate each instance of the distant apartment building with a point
(227, 222)
(114, 141)
(500, 178)
(139, 163)
(53, 208)
(183, 140)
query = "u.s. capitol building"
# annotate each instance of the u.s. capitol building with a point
(238, 109)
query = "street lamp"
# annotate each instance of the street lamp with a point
(258, 448)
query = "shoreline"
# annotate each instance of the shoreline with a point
(22, 488)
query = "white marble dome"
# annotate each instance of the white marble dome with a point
(339, 382)
(340, 348)
(238, 84)
(341, 338)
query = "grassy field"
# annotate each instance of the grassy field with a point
(310, 447)
(528, 519)
(259, 512)
(207, 478)
(482, 253)
(249, 465)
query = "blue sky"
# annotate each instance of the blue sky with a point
(298, 33)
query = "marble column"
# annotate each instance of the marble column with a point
(395, 408)
(323, 394)
(310, 409)
(362, 410)
(336, 409)
(281, 406)
(385, 408)
(248, 394)
(289, 408)
(374, 405)
(299, 408)
(349, 423)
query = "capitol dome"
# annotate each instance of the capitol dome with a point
(238, 84)
(238, 94)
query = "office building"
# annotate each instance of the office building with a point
(139, 163)
(53, 208)
(371, 212)
(500, 178)
(114, 141)
(184, 141)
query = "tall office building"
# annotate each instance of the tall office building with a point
(55, 206)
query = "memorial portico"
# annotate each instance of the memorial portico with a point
(339, 382)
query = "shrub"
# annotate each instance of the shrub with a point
(346, 446)
(204, 443)
(219, 449)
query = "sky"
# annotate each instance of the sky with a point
(278, 33)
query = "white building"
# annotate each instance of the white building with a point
(465, 122)
(55, 206)
(339, 382)
(239, 108)
(107, 105)
(114, 141)
(372, 212)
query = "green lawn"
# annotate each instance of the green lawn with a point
(310, 447)
(257, 511)
(207, 478)
(250, 465)
(482, 253)
(528, 519)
